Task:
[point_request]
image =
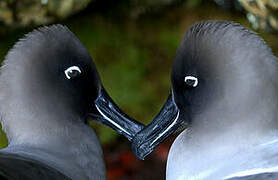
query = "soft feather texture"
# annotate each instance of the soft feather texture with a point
(234, 107)
(38, 110)
(29, 169)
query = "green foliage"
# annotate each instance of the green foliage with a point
(262, 14)
(3, 139)
(192, 3)
(26, 12)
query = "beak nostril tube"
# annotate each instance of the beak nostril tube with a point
(46, 102)
(231, 117)
(113, 117)
(164, 124)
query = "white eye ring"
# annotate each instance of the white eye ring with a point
(70, 70)
(191, 78)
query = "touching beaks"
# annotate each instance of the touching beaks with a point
(164, 124)
(109, 114)
(144, 138)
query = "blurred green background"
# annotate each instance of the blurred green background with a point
(132, 42)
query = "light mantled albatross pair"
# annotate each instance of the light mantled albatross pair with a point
(223, 88)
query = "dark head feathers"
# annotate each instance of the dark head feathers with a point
(53, 32)
(220, 28)
(230, 62)
(36, 44)
(223, 41)
(236, 35)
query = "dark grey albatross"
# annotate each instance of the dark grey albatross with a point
(49, 90)
(225, 88)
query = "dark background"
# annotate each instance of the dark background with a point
(133, 44)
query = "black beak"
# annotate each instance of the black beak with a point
(165, 123)
(108, 113)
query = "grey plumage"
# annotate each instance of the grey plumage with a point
(233, 111)
(224, 88)
(42, 112)
(29, 169)
(268, 176)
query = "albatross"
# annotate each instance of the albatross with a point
(225, 91)
(49, 90)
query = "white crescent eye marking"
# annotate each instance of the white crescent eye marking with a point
(189, 79)
(71, 70)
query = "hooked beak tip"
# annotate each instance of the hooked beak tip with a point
(109, 114)
(141, 151)
(167, 122)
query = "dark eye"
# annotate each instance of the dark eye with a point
(72, 72)
(191, 81)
